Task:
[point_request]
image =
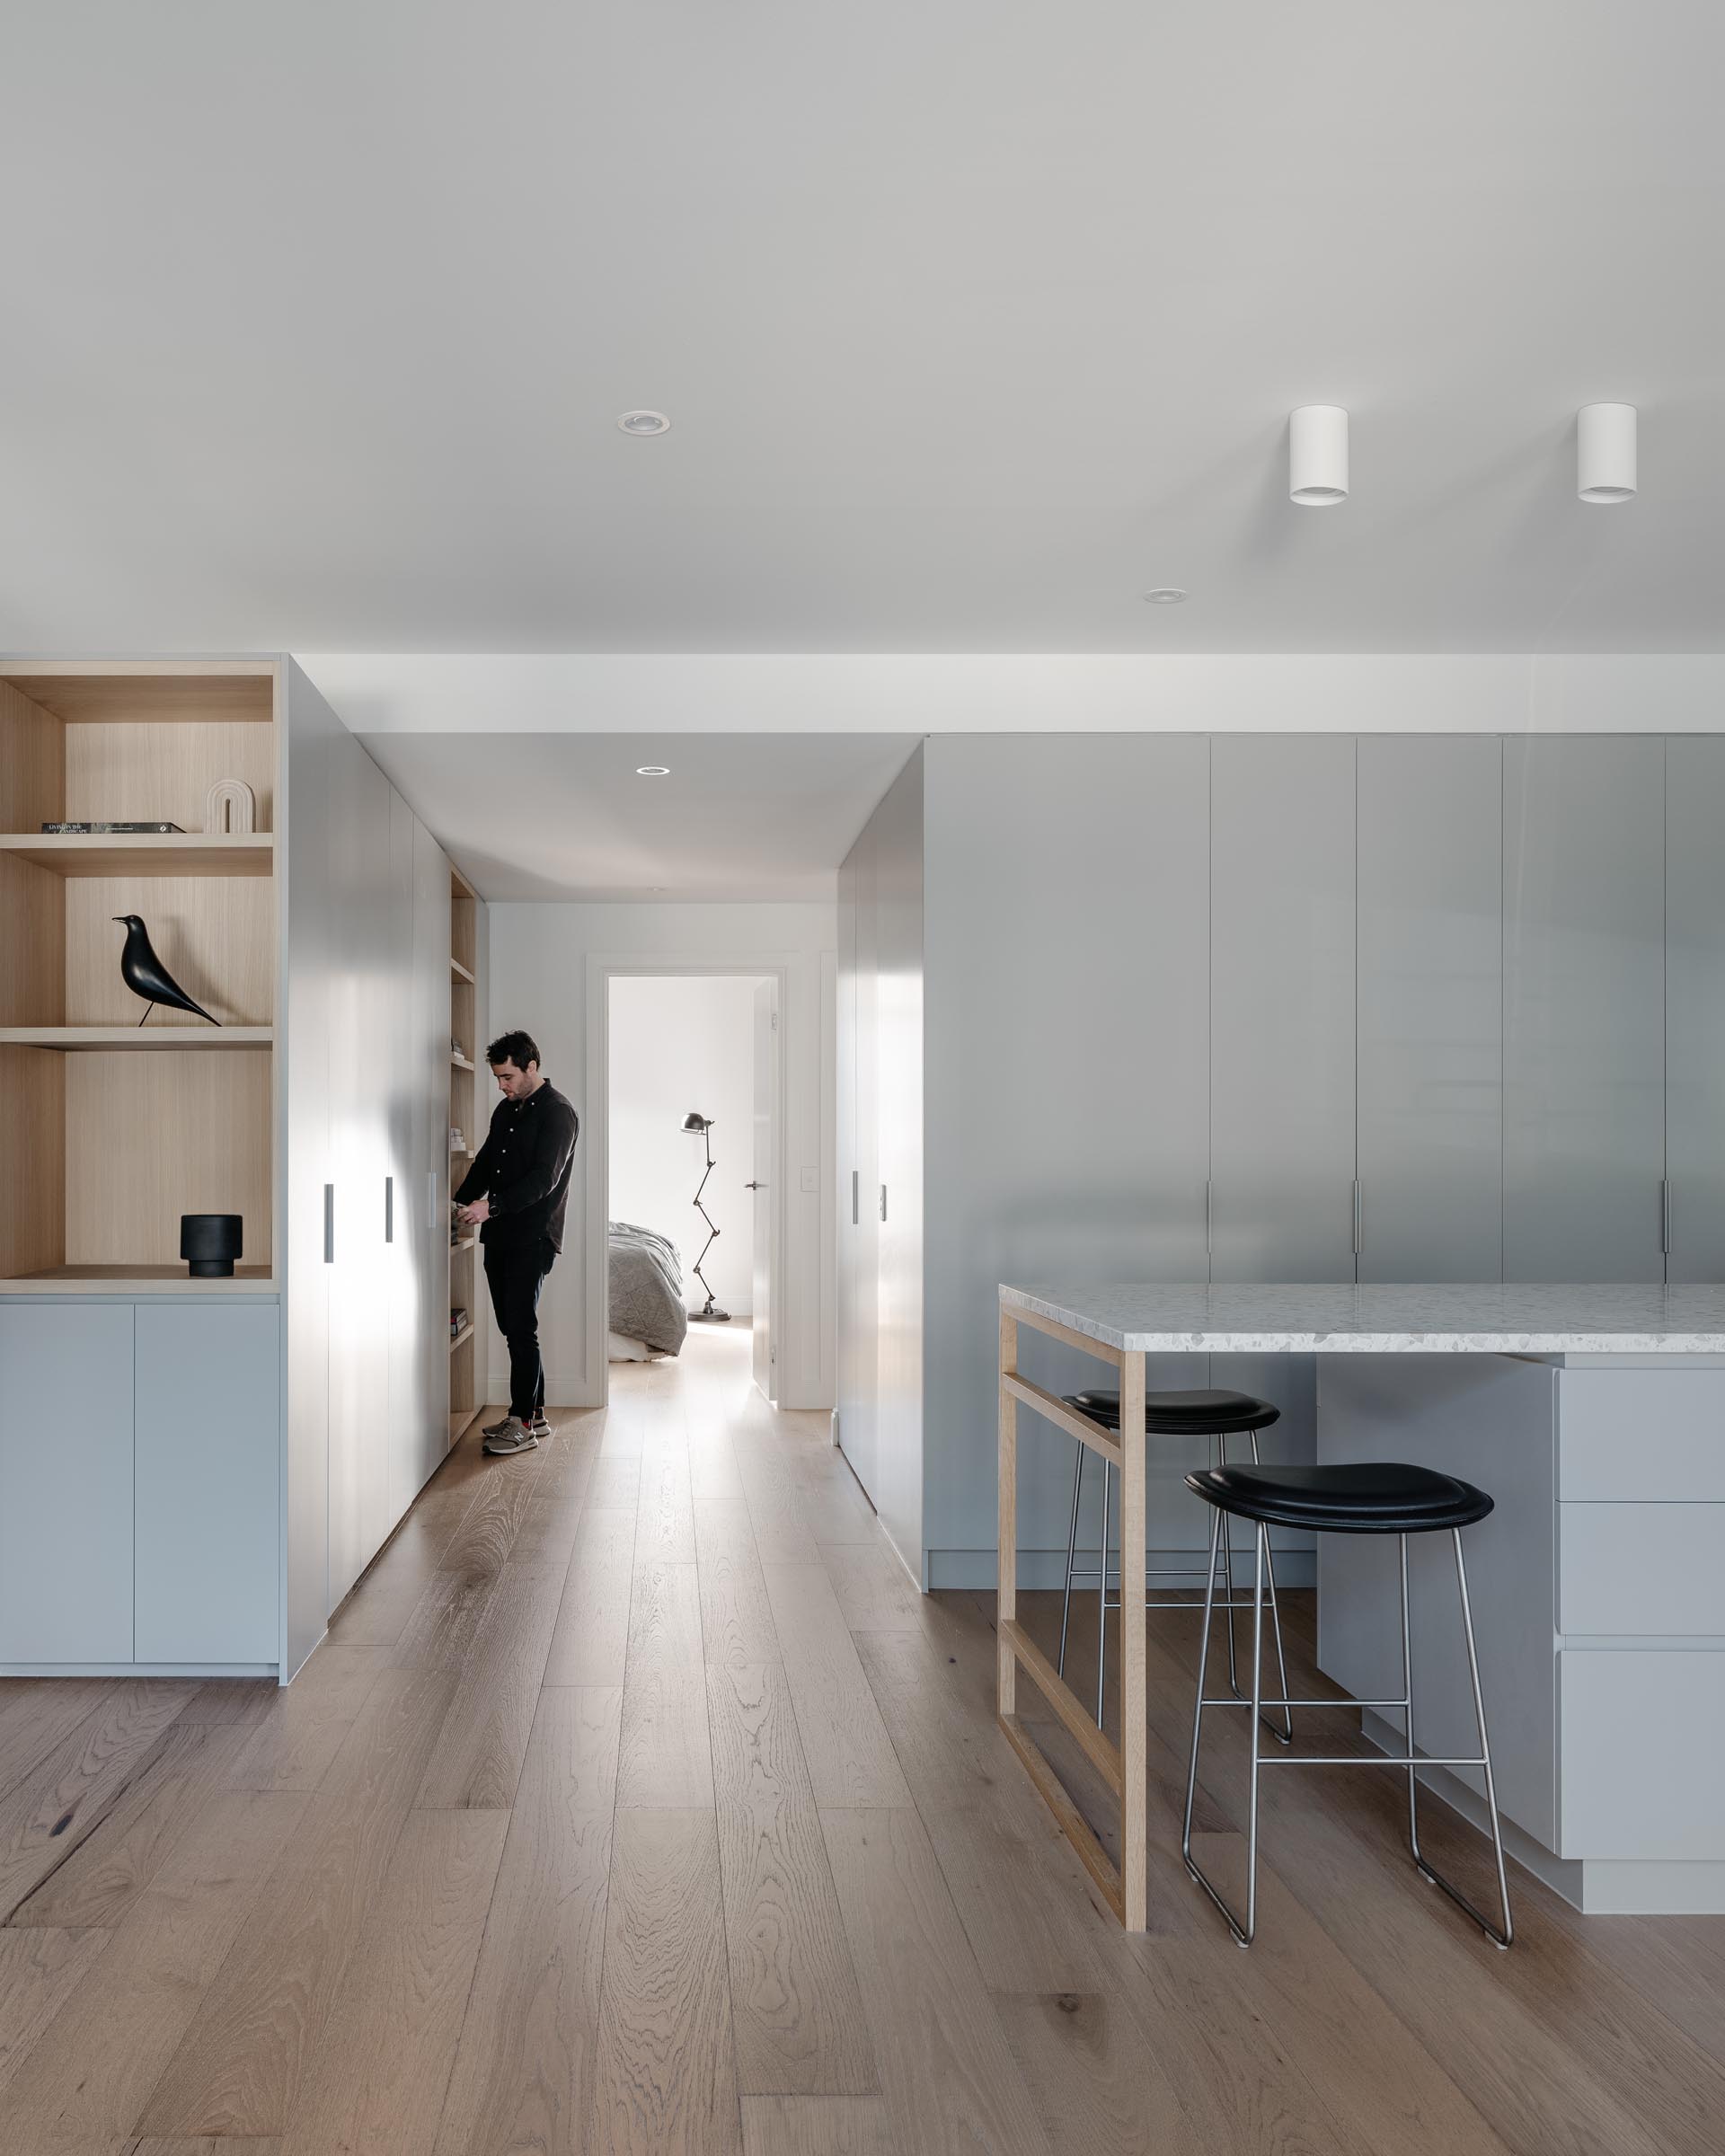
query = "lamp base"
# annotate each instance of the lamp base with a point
(709, 1317)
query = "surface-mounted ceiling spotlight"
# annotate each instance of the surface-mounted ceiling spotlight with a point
(1604, 452)
(1164, 594)
(644, 422)
(652, 771)
(1317, 455)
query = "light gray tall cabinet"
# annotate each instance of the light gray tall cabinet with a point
(1430, 1006)
(1584, 888)
(1282, 910)
(1695, 979)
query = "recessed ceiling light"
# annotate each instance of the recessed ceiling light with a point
(1164, 594)
(644, 422)
(652, 771)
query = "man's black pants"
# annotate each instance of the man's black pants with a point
(515, 1274)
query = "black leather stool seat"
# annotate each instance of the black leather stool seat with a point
(1357, 1498)
(1182, 1414)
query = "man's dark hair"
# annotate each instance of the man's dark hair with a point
(518, 1048)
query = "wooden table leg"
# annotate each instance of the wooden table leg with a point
(1008, 1572)
(1135, 1819)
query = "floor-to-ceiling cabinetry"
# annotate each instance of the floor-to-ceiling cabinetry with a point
(1450, 1008)
(194, 1471)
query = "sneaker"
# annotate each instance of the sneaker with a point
(496, 1429)
(512, 1437)
(539, 1426)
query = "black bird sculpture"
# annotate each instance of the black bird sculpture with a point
(144, 973)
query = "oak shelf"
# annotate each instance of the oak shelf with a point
(109, 1039)
(143, 854)
(461, 1339)
(461, 972)
(462, 1064)
(140, 1279)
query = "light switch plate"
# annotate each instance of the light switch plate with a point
(811, 1179)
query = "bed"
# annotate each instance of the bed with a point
(647, 1316)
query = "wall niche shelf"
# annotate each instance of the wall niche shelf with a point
(460, 972)
(118, 854)
(462, 1062)
(460, 1339)
(110, 1130)
(113, 1040)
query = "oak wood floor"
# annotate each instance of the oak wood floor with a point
(637, 1802)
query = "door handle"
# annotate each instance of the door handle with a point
(754, 1186)
(329, 1223)
(883, 1201)
(389, 1208)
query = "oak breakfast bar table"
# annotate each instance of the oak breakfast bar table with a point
(1594, 1415)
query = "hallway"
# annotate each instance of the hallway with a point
(638, 1802)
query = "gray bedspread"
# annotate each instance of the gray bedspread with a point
(646, 1288)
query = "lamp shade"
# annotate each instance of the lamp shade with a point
(693, 1122)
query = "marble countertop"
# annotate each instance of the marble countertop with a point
(1324, 1318)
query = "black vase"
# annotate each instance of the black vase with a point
(210, 1243)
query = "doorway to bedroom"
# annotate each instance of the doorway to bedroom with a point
(693, 1084)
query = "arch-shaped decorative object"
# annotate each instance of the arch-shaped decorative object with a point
(231, 807)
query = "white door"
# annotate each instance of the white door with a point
(766, 1130)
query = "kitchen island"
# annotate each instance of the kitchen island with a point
(1595, 1416)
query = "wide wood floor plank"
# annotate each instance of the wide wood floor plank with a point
(37, 1971)
(794, 2002)
(376, 2084)
(524, 2070)
(851, 1759)
(949, 2078)
(446, 1619)
(204, 2144)
(589, 1643)
(240, 2067)
(667, 1759)
(548, 1533)
(37, 1714)
(1097, 2083)
(616, 1486)
(735, 1616)
(874, 1591)
(1024, 1898)
(665, 2081)
(817, 2125)
(91, 2071)
(106, 1874)
(307, 1725)
(477, 1761)
(665, 1507)
(65, 1796)
(782, 1531)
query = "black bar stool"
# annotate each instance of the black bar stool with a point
(1357, 1498)
(1216, 1415)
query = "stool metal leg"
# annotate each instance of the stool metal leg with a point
(1072, 1552)
(1502, 1933)
(1102, 1596)
(1227, 1557)
(1284, 1735)
(1243, 1929)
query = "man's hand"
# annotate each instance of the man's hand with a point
(481, 1210)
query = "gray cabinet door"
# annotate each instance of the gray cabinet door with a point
(1430, 1007)
(1282, 1007)
(1584, 1008)
(1694, 979)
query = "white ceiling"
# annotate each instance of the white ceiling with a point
(975, 317)
(565, 817)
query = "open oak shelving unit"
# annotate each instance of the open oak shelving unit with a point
(465, 1048)
(110, 1131)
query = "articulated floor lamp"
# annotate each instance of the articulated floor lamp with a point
(712, 1314)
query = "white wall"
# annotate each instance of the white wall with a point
(544, 959)
(678, 1043)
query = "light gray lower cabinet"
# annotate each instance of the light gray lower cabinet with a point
(1694, 972)
(66, 1483)
(1584, 1009)
(1430, 1007)
(208, 1479)
(1282, 914)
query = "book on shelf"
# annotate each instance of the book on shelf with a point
(125, 830)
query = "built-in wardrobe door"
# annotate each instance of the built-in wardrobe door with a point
(1430, 1007)
(1282, 1007)
(1584, 1008)
(429, 1171)
(861, 1441)
(848, 1281)
(1694, 989)
(403, 1203)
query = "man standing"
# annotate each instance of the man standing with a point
(517, 1192)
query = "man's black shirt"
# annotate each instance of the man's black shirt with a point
(524, 1168)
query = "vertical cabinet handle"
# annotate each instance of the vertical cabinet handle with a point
(1665, 1215)
(857, 1197)
(883, 1201)
(329, 1223)
(1356, 1216)
(1209, 1216)
(389, 1208)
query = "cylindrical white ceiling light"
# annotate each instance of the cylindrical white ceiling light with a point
(1604, 452)
(1317, 456)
